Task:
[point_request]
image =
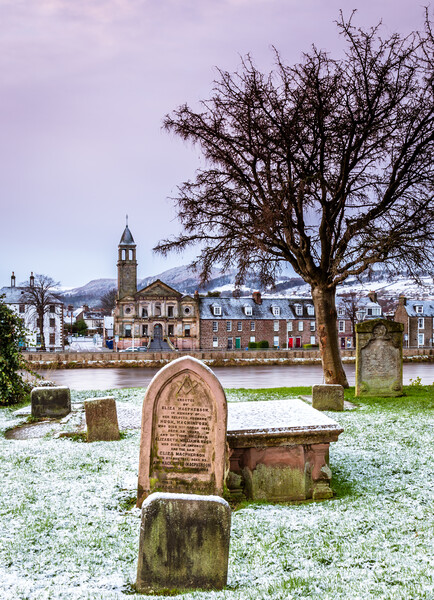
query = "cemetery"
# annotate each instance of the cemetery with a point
(186, 488)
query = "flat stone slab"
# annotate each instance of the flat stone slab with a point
(290, 419)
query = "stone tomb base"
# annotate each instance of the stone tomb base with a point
(184, 543)
(279, 451)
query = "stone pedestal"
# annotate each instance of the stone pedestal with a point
(184, 543)
(51, 402)
(279, 451)
(379, 358)
(328, 397)
(101, 420)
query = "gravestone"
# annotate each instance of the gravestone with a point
(101, 420)
(50, 402)
(328, 397)
(184, 543)
(183, 431)
(379, 358)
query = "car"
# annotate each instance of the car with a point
(135, 349)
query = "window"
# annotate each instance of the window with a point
(298, 309)
(276, 341)
(289, 326)
(252, 338)
(312, 325)
(127, 330)
(420, 339)
(341, 326)
(230, 343)
(52, 322)
(228, 325)
(248, 311)
(38, 338)
(217, 310)
(187, 330)
(376, 311)
(215, 326)
(187, 310)
(341, 311)
(145, 312)
(144, 330)
(276, 311)
(239, 326)
(421, 323)
(171, 330)
(310, 310)
(312, 340)
(52, 339)
(22, 308)
(300, 325)
(38, 323)
(419, 308)
(252, 325)
(276, 326)
(52, 308)
(215, 342)
(170, 311)
(369, 311)
(157, 310)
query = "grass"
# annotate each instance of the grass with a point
(70, 531)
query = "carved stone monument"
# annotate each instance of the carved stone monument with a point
(101, 420)
(184, 543)
(183, 431)
(379, 358)
(328, 396)
(51, 402)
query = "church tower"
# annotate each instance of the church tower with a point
(127, 265)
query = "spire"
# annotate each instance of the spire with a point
(127, 238)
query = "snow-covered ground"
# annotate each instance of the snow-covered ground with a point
(67, 529)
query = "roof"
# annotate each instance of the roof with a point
(427, 305)
(13, 295)
(127, 238)
(233, 308)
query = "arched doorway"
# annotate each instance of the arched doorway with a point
(158, 332)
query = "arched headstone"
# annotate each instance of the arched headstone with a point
(183, 431)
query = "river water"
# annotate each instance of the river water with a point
(230, 377)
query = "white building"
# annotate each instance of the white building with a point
(53, 318)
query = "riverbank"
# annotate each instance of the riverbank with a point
(251, 358)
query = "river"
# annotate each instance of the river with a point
(230, 377)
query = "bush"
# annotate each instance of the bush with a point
(253, 345)
(13, 389)
(263, 344)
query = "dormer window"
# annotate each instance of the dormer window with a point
(248, 311)
(217, 310)
(419, 308)
(310, 310)
(298, 309)
(341, 311)
(276, 311)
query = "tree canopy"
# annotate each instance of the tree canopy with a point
(326, 165)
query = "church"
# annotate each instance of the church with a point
(157, 316)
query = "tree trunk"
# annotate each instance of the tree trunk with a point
(326, 320)
(41, 330)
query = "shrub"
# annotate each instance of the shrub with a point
(253, 345)
(263, 344)
(13, 389)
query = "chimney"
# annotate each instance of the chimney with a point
(257, 297)
(13, 279)
(196, 295)
(86, 308)
(372, 296)
(402, 301)
(32, 280)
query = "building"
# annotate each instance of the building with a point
(14, 297)
(417, 316)
(156, 316)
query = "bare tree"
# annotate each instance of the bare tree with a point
(108, 301)
(327, 165)
(349, 303)
(39, 292)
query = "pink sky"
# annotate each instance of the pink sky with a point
(84, 86)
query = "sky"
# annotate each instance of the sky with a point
(84, 88)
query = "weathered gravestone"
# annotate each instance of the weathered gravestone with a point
(101, 420)
(328, 397)
(184, 543)
(379, 358)
(51, 402)
(183, 431)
